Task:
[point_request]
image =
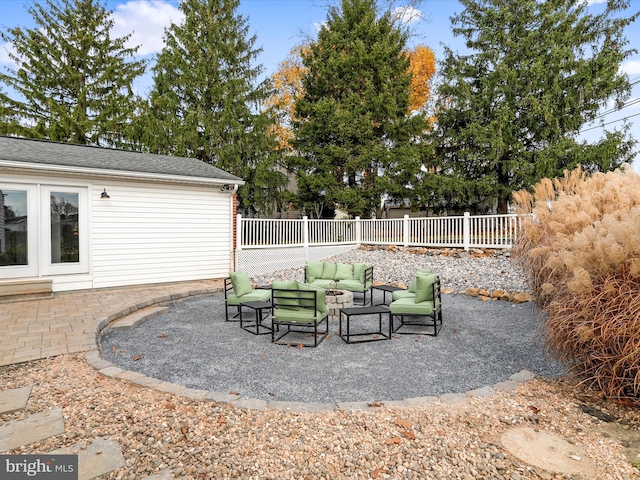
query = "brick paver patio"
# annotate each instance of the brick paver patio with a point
(69, 322)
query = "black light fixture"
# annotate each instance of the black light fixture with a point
(225, 188)
(104, 194)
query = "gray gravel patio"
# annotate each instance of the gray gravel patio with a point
(481, 343)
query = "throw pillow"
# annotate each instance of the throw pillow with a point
(329, 271)
(424, 287)
(412, 288)
(344, 272)
(314, 271)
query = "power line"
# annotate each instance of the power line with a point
(609, 123)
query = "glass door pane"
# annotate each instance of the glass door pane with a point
(65, 229)
(14, 228)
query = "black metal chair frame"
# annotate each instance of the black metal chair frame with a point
(228, 287)
(280, 297)
(431, 321)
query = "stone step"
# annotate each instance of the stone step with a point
(33, 428)
(134, 319)
(100, 457)
(14, 400)
(25, 289)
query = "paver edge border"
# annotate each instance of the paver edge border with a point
(95, 359)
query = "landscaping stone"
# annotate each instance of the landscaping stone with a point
(522, 376)
(35, 427)
(453, 398)
(100, 457)
(481, 392)
(417, 401)
(14, 399)
(251, 404)
(548, 451)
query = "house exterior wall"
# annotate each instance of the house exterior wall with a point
(146, 232)
(152, 233)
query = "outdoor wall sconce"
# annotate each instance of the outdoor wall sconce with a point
(104, 194)
(225, 188)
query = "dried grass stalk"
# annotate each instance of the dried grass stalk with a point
(580, 247)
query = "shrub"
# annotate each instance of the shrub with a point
(580, 249)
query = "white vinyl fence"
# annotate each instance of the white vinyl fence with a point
(266, 245)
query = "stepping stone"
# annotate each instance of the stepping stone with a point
(14, 400)
(99, 458)
(522, 376)
(549, 452)
(163, 475)
(33, 428)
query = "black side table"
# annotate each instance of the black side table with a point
(369, 336)
(254, 326)
(385, 289)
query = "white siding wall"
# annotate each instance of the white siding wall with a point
(154, 233)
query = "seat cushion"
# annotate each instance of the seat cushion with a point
(241, 283)
(407, 306)
(313, 271)
(255, 296)
(297, 315)
(322, 283)
(398, 294)
(351, 285)
(424, 287)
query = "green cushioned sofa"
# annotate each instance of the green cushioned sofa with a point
(357, 277)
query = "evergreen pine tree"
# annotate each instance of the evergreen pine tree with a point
(73, 81)
(355, 136)
(509, 112)
(204, 104)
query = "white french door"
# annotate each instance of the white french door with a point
(44, 230)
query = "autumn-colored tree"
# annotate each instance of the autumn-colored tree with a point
(287, 85)
(422, 69)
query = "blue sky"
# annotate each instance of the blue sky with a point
(281, 24)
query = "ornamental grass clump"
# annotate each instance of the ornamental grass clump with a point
(580, 248)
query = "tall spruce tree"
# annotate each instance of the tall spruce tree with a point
(205, 102)
(510, 112)
(72, 81)
(355, 136)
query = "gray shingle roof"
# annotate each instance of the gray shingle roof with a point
(62, 154)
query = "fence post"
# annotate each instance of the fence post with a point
(305, 236)
(405, 230)
(466, 231)
(358, 231)
(239, 231)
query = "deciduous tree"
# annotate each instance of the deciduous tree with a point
(510, 111)
(206, 101)
(72, 80)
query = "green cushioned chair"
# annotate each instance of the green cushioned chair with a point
(422, 313)
(238, 290)
(362, 282)
(411, 292)
(300, 309)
